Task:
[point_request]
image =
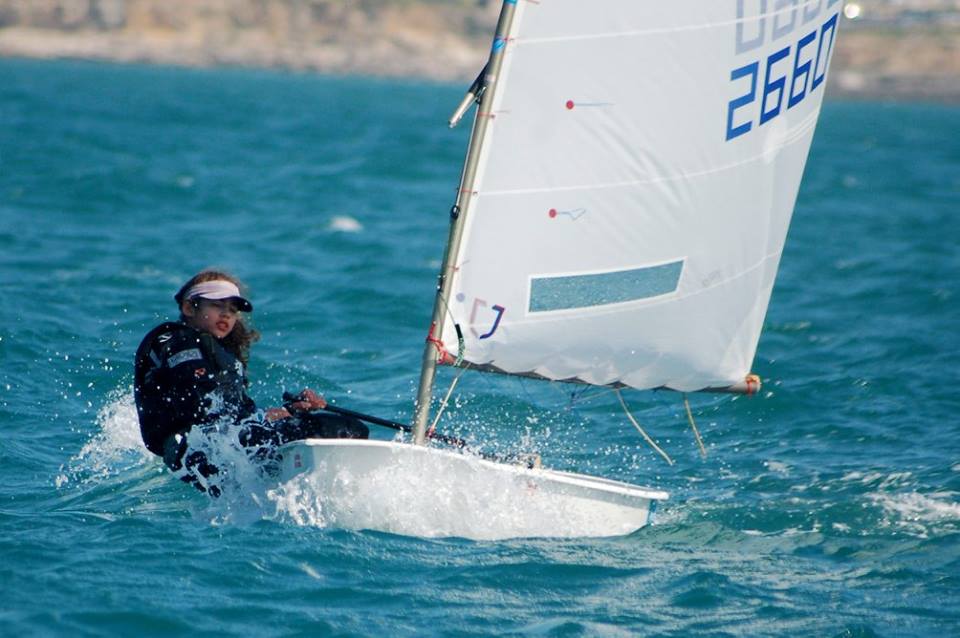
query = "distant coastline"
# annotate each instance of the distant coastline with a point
(431, 39)
(920, 63)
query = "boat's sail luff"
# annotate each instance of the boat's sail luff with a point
(464, 195)
(635, 187)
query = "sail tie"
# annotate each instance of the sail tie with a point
(442, 355)
(645, 436)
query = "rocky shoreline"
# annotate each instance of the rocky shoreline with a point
(443, 40)
(438, 40)
(879, 62)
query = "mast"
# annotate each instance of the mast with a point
(486, 92)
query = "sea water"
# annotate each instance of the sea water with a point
(829, 505)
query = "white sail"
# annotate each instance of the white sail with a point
(635, 186)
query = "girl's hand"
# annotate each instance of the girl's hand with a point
(275, 414)
(308, 400)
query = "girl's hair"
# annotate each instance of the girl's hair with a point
(242, 336)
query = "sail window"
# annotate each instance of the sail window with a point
(599, 289)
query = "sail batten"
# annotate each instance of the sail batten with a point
(638, 174)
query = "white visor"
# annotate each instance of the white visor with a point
(220, 289)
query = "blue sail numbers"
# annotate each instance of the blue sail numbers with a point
(781, 79)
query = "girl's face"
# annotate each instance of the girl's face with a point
(216, 316)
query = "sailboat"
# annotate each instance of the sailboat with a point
(623, 207)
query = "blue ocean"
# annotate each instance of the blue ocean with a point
(828, 505)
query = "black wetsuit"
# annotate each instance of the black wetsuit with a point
(184, 378)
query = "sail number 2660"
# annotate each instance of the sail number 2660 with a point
(811, 55)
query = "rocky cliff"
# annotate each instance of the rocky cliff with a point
(439, 39)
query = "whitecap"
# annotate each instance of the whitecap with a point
(344, 224)
(778, 467)
(915, 506)
(920, 514)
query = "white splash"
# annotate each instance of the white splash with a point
(116, 450)
(242, 481)
(116, 444)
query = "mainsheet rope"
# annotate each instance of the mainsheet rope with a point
(646, 437)
(446, 399)
(693, 426)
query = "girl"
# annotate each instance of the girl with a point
(193, 373)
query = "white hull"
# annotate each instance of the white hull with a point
(422, 491)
